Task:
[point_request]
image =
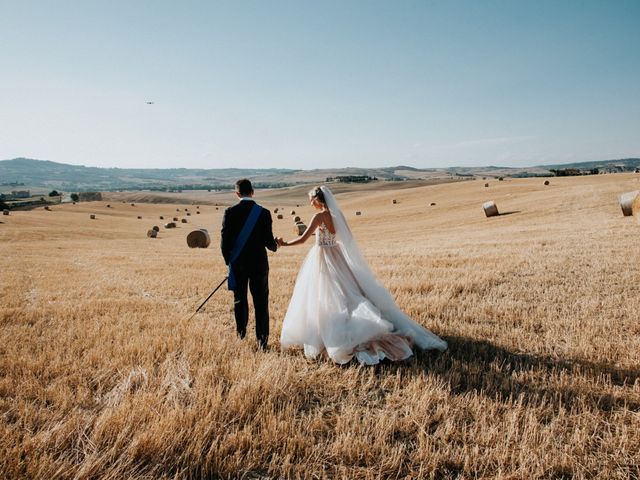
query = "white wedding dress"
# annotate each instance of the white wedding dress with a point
(338, 308)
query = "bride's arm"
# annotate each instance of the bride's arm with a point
(315, 221)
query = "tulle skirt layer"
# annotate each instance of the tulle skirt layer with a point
(333, 313)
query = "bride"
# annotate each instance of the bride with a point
(338, 308)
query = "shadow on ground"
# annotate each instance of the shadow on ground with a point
(479, 366)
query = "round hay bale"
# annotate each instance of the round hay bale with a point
(626, 202)
(296, 219)
(280, 217)
(133, 204)
(635, 208)
(500, 179)
(546, 182)
(293, 212)
(394, 201)
(216, 208)
(152, 233)
(92, 216)
(177, 209)
(74, 203)
(490, 209)
(486, 185)
(5, 212)
(170, 225)
(184, 220)
(197, 206)
(299, 228)
(161, 217)
(47, 207)
(175, 219)
(188, 214)
(108, 205)
(156, 228)
(186, 209)
(432, 204)
(358, 213)
(199, 239)
(139, 217)
(275, 210)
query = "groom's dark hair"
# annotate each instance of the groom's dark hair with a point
(244, 187)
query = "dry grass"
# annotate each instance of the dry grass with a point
(101, 378)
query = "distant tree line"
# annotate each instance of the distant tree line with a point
(271, 185)
(395, 179)
(352, 179)
(89, 197)
(530, 175)
(570, 172)
(208, 187)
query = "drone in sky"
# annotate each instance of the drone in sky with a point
(150, 103)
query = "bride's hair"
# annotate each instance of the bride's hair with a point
(318, 194)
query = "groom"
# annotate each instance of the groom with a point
(251, 267)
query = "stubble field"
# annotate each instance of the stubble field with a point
(101, 376)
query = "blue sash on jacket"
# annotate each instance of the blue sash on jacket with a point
(247, 228)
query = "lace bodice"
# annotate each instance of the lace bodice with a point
(324, 238)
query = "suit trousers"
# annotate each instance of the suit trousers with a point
(258, 284)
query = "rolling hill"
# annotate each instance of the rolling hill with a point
(44, 174)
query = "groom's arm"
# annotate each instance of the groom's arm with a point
(270, 241)
(225, 241)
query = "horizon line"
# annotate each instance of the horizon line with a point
(330, 168)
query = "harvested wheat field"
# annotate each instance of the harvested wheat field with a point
(102, 376)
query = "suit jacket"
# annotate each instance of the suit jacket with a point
(253, 257)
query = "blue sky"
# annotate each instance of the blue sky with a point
(301, 84)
